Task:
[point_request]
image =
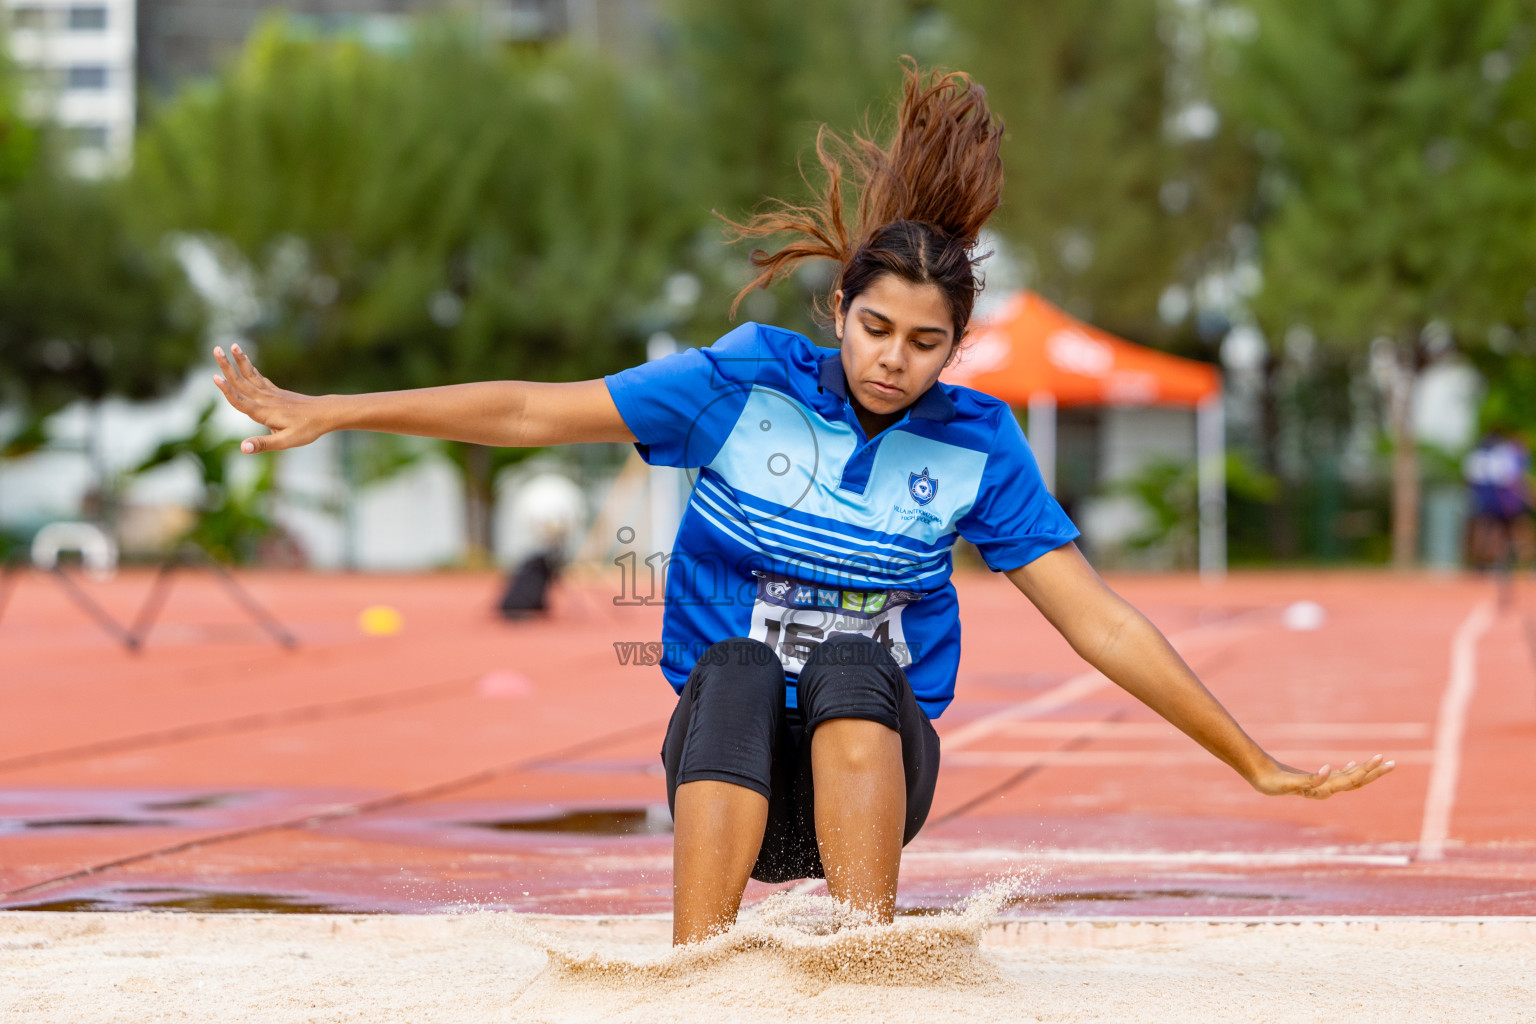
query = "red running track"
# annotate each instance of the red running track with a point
(215, 770)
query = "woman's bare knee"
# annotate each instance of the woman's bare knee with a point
(856, 746)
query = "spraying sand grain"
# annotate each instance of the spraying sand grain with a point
(811, 940)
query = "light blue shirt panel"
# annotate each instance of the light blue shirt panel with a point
(798, 462)
(787, 463)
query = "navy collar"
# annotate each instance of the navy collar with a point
(935, 403)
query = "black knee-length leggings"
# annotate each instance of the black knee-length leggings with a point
(731, 725)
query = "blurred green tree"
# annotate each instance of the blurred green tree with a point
(1122, 180)
(87, 307)
(1395, 202)
(755, 79)
(450, 211)
(17, 138)
(760, 76)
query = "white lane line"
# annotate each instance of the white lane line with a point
(1071, 691)
(1055, 728)
(1079, 687)
(1140, 758)
(1450, 726)
(1346, 730)
(1196, 858)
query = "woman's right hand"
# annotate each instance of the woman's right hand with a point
(1282, 780)
(294, 419)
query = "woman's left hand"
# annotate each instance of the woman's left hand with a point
(1283, 780)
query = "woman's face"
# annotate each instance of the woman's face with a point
(896, 338)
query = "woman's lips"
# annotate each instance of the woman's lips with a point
(884, 389)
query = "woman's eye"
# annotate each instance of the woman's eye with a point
(874, 332)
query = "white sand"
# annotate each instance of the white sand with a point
(782, 964)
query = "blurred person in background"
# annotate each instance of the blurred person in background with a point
(527, 589)
(1497, 473)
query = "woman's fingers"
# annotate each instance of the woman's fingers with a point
(291, 417)
(1351, 776)
(238, 369)
(264, 443)
(1374, 769)
(1323, 783)
(230, 373)
(246, 366)
(237, 387)
(232, 396)
(243, 399)
(1316, 786)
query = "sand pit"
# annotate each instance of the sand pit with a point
(781, 964)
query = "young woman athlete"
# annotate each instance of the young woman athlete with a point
(810, 625)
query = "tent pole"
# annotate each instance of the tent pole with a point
(1042, 435)
(1210, 455)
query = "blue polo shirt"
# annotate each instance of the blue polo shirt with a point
(799, 526)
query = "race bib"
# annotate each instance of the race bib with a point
(794, 618)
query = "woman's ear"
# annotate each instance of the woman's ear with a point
(837, 313)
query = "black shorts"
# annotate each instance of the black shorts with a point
(731, 725)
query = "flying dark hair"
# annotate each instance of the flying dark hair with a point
(922, 199)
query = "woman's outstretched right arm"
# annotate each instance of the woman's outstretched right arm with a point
(504, 414)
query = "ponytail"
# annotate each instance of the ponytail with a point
(922, 199)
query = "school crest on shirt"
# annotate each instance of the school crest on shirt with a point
(922, 486)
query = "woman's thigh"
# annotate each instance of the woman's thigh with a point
(729, 720)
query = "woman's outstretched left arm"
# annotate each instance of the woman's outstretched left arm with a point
(1120, 642)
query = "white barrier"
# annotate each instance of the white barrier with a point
(97, 550)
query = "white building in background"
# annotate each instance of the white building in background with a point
(76, 58)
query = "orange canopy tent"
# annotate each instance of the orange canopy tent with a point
(1031, 348)
(1033, 354)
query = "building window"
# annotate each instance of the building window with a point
(34, 18)
(87, 19)
(83, 77)
(88, 136)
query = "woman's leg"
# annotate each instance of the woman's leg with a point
(874, 762)
(717, 832)
(861, 799)
(719, 758)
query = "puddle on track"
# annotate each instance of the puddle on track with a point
(629, 821)
(190, 901)
(29, 824)
(39, 810)
(195, 803)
